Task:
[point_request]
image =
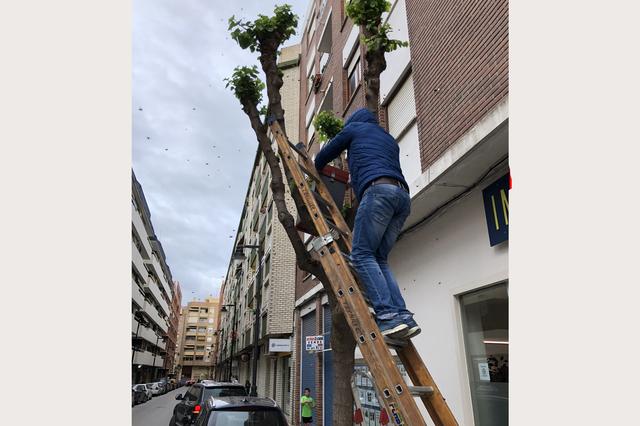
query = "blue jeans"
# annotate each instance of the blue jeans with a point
(379, 219)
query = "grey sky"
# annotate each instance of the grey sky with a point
(181, 53)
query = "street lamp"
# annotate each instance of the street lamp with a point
(233, 336)
(239, 255)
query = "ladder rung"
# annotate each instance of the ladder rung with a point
(320, 199)
(309, 173)
(296, 149)
(395, 343)
(336, 227)
(421, 390)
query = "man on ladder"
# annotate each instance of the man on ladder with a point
(376, 177)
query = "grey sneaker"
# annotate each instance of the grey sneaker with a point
(412, 330)
(391, 327)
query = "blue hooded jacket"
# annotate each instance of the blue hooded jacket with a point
(372, 152)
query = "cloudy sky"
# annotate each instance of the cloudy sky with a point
(193, 147)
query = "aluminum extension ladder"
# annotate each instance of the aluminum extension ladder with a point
(332, 242)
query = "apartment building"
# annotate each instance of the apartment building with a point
(152, 293)
(198, 337)
(172, 334)
(178, 353)
(260, 279)
(445, 100)
(217, 366)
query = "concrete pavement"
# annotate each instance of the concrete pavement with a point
(157, 411)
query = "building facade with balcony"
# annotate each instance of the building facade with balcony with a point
(152, 293)
(445, 100)
(172, 334)
(261, 284)
(198, 335)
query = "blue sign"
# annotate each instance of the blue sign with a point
(496, 209)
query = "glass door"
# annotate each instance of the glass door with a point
(485, 322)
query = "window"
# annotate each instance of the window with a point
(311, 26)
(485, 323)
(267, 266)
(263, 325)
(193, 394)
(354, 74)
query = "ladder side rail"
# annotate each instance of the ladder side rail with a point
(374, 350)
(396, 402)
(419, 374)
(285, 149)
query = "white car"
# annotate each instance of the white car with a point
(146, 390)
(156, 389)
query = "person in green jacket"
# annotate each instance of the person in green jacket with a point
(307, 406)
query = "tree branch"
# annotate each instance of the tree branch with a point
(304, 259)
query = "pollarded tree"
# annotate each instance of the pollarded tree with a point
(265, 35)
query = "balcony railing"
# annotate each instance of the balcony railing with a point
(136, 294)
(152, 313)
(137, 261)
(151, 287)
(141, 231)
(146, 358)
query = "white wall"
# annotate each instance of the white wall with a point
(398, 60)
(448, 256)
(410, 154)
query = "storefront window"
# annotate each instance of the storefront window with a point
(485, 315)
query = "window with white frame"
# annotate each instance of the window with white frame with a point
(354, 73)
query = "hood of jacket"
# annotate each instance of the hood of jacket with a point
(362, 115)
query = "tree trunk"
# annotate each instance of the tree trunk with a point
(342, 341)
(343, 345)
(375, 65)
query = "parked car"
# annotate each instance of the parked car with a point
(167, 384)
(145, 390)
(190, 405)
(246, 411)
(138, 395)
(156, 388)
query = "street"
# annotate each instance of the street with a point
(157, 411)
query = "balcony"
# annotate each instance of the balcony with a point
(146, 358)
(136, 294)
(147, 334)
(151, 287)
(138, 225)
(201, 363)
(137, 261)
(154, 264)
(153, 315)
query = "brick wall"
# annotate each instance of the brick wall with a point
(459, 55)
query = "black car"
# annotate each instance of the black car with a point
(239, 410)
(191, 404)
(139, 394)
